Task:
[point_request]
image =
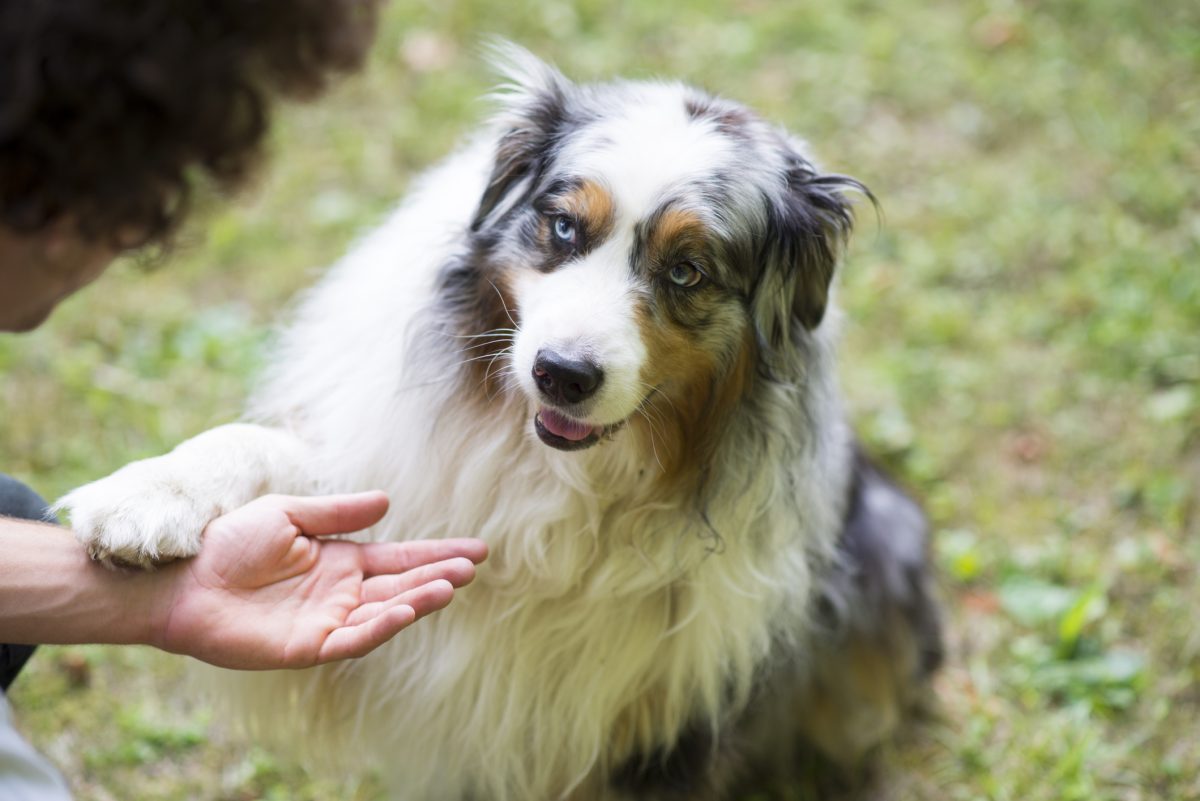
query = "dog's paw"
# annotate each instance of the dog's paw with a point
(140, 516)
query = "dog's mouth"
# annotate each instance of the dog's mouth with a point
(559, 430)
(566, 433)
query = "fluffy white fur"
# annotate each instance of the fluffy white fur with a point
(607, 618)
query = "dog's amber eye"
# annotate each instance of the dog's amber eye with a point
(564, 228)
(685, 275)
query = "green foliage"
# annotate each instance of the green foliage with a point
(143, 740)
(1069, 661)
(1022, 347)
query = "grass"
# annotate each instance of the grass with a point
(1022, 346)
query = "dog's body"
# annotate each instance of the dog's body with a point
(618, 369)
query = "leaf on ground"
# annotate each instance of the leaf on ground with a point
(1032, 602)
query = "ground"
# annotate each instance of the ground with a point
(1022, 346)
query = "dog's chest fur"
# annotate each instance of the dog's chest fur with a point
(606, 620)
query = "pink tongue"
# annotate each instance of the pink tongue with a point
(564, 427)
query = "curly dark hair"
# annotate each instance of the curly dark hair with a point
(108, 106)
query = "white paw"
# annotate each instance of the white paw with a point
(139, 516)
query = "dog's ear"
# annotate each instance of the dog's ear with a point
(534, 103)
(808, 221)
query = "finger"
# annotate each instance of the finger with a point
(424, 599)
(349, 642)
(319, 515)
(459, 572)
(397, 557)
(360, 638)
(428, 597)
(368, 611)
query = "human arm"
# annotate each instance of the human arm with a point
(259, 595)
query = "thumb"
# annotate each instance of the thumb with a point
(334, 514)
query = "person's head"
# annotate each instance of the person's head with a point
(110, 108)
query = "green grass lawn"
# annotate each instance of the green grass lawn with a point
(1022, 346)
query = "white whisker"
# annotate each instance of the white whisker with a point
(500, 295)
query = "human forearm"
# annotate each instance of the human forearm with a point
(269, 589)
(51, 592)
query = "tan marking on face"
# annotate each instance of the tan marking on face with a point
(483, 349)
(592, 206)
(697, 391)
(678, 234)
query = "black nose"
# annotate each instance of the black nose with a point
(566, 380)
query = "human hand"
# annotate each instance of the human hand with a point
(267, 592)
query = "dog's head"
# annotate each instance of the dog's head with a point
(642, 254)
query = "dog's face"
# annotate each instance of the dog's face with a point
(643, 251)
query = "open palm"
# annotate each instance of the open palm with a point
(267, 592)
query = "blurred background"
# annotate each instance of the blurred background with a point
(1022, 347)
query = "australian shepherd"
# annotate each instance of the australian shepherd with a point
(600, 337)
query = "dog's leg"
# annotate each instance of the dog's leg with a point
(879, 637)
(820, 715)
(698, 767)
(876, 642)
(154, 510)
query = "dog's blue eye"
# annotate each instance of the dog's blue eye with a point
(564, 228)
(685, 275)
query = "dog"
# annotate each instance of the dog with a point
(601, 336)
